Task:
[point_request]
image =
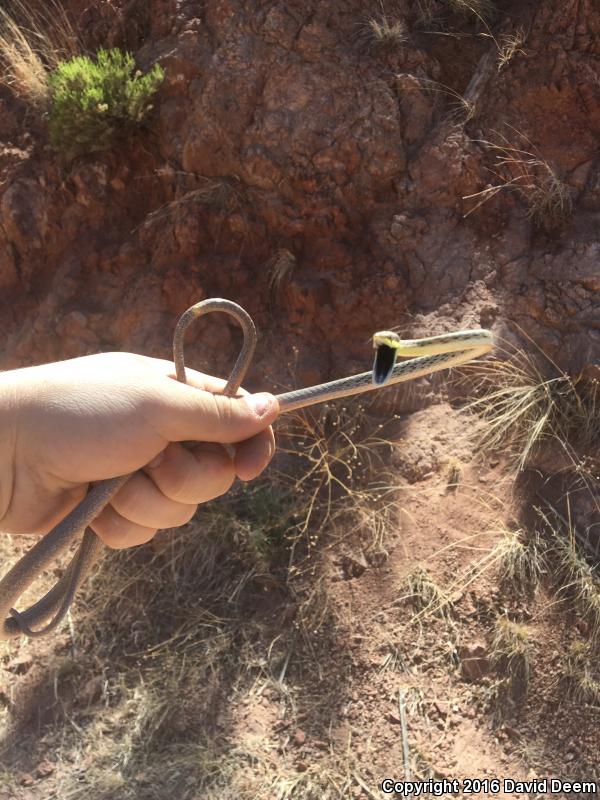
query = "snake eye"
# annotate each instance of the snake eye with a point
(383, 366)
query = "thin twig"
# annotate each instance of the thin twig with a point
(364, 786)
(405, 751)
(287, 661)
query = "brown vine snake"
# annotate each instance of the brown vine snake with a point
(433, 354)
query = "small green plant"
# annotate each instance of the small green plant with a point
(262, 515)
(92, 100)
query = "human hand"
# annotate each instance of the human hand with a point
(67, 424)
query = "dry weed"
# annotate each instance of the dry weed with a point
(335, 468)
(425, 14)
(33, 41)
(249, 773)
(454, 474)
(579, 675)
(279, 268)
(511, 653)
(548, 198)
(522, 407)
(214, 193)
(521, 563)
(509, 45)
(426, 595)
(461, 110)
(574, 577)
(387, 33)
(480, 9)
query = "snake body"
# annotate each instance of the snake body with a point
(443, 351)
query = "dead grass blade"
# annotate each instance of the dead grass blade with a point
(548, 197)
(33, 41)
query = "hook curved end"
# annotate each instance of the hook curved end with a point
(244, 320)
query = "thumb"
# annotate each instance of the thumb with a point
(185, 413)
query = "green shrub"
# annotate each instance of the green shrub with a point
(92, 100)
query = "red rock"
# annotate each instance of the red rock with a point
(20, 664)
(44, 769)
(299, 737)
(474, 660)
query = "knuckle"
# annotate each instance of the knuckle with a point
(223, 485)
(117, 532)
(186, 515)
(113, 536)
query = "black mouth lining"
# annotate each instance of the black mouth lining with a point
(383, 366)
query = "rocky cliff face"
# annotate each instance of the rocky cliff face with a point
(321, 176)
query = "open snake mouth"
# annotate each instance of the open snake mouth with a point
(383, 366)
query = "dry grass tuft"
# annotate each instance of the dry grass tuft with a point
(218, 194)
(521, 563)
(518, 405)
(548, 198)
(387, 33)
(426, 595)
(461, 110)
(480, 9)
(511, 652)
(523, 408)
(33, 41)
(575, 578)
(425, 12)
(280, 268)
(26, 74)
(579, 674)
(509, 45)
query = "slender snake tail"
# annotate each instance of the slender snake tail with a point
(54, 605)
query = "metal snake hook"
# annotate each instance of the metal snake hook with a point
(244, 358)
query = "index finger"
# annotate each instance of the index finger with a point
(195, 378)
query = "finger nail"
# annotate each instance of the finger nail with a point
(259, 403)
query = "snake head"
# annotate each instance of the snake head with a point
(386, 344)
